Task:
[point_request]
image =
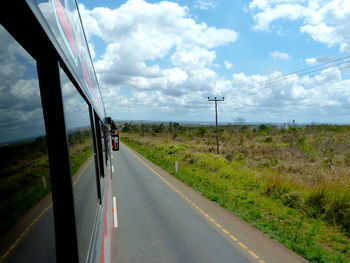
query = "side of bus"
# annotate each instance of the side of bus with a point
(75, 129)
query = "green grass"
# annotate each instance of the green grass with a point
(311, 222)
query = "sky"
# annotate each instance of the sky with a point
(161, 60)
(274, 61)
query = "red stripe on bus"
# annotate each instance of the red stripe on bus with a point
(65, 24)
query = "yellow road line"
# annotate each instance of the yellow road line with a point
(82, 171)
(24, 232)
(242, 245)
(225, 231)
(218, 225)
(198, 208)
(233, 238)
(253, 254)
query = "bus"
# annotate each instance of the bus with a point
(56, 141)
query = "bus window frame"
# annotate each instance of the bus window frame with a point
(40, 43)
(96, 153)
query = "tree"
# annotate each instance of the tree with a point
(240, 121)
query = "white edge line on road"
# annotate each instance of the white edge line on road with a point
(115, 215)
(112, 168)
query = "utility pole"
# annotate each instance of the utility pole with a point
(216, 118)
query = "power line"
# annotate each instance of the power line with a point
(256, 88)
(305, 71)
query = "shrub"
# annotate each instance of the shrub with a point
(277, 186)
(337, 211)
(288, 138)
(315, 202)
(263, 127)
(201, 131)
(293, 200)
(268, 139)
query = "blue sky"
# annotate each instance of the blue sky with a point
(161, 60)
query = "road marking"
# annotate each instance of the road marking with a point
(24, 232)
(115, 215)
(233, 238)
(197, 207)
(253, 254)
(242, 245)
(82, 171)
(225, 231)
(112, 168)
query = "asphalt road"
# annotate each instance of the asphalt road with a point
(159, 220)
(155, 224)
(162, 220)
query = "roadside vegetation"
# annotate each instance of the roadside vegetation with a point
(291, 182)
(22, 168)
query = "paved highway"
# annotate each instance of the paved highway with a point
(159, 220)
(162, 220)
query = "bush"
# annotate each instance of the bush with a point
(268, 139)
(315, 202)
(201, 131)
(276, 186)
(263, 127)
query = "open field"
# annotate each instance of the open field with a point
(21, 170)
(292, 183)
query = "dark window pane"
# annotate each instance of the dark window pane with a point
(82, 163)
(104, 146)
(25, 187)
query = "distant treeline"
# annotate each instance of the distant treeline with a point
(174, 127)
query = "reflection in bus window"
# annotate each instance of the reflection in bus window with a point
(24, 168)
(80, 140)
(104, 147)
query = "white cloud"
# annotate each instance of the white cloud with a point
(278, 92)
(160, 62)
(318, 60)
(140, 37)
(279, 55)
(228, 64)
(193, 58)
(280, 11)
(327, 22)
(203, 4)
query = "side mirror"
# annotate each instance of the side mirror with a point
(115, 143)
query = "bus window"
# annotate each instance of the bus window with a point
(104, 143)
(82, 162)
(24, 168)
